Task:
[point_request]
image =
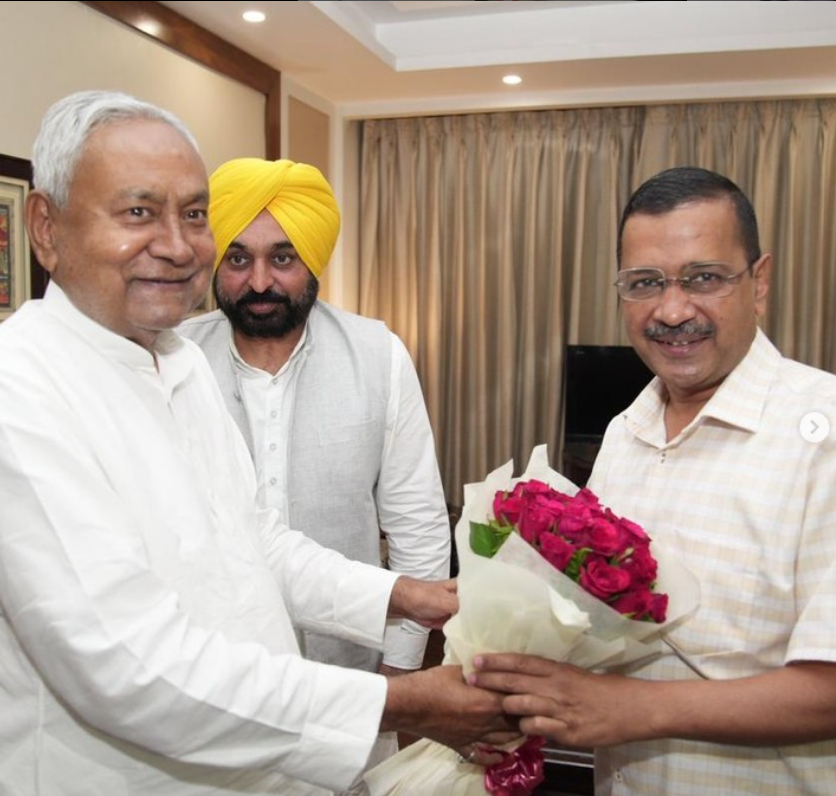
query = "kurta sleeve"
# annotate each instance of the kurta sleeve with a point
(410, 502)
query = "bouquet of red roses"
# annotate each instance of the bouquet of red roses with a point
(545, 570)
(606, 555)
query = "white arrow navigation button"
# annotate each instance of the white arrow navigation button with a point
(814, 427)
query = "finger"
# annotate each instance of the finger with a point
(503, 682)
(549, 728)
(485, 756)
(503, 738)
(479, 755)
(530, 705)
(512, 662)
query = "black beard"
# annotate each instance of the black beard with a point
(286, 316)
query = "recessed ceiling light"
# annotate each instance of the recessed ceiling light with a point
(512, 80)
(254, 16)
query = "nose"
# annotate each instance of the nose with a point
(674, 306)
(171, 243)
(261, 276)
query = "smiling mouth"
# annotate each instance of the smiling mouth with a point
(681, 343)
(679, 348)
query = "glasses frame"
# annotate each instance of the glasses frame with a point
(684, 282)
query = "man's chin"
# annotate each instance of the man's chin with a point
(272, 325)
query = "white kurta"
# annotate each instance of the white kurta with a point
(146, 640)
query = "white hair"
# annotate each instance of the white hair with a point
(69, 123)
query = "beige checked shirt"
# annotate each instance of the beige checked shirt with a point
(750, 507)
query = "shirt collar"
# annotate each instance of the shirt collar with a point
(739, 401)
(741, 398)
(167, 356)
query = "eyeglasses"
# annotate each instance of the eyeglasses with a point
(711, 280)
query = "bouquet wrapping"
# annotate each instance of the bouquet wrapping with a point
(517, 601)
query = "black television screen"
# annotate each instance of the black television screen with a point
(601, 381)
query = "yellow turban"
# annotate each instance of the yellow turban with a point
(295, 194)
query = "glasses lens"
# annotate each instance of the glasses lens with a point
(708, 280)
(638, 284)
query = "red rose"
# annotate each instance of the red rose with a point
(534, 522)
(641, 565)
(630, 529)
(576, 519)
(556, 550)
(604, 538)
(507, 507)
(634, 603)
(602, 580)
(658, 607)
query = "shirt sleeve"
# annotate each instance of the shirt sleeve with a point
(410, 501)
(814, 636)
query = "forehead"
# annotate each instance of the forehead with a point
(699, 230)
(142, 152)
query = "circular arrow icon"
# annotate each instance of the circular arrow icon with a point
(814, 427)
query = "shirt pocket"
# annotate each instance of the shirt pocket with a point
(732, 583)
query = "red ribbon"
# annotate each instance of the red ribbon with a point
(519, 772)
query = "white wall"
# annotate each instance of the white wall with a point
(50, 49)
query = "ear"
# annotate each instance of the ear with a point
(761, 272)
(39, 215)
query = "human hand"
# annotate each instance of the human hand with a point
(429, 603)
(561, 702)
(437, 704)
(480, 754)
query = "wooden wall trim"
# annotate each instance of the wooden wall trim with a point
(167, 27)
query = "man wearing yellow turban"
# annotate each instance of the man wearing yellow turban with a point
(328, 401)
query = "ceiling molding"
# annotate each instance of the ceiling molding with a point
(553, 32)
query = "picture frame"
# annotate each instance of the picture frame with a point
(15, 264)
(20, 170)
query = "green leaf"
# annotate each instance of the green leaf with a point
(486, 539)
(573, 568)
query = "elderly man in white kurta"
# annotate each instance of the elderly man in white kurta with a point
(147, 607)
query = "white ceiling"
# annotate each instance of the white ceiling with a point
(377, 57)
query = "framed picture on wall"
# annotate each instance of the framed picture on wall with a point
(15, 183)
(15, 280)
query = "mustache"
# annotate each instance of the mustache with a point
(268, 297)
(663, 333)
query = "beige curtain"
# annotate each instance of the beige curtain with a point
(488, 245)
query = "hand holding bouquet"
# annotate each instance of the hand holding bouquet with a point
(544, 570)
